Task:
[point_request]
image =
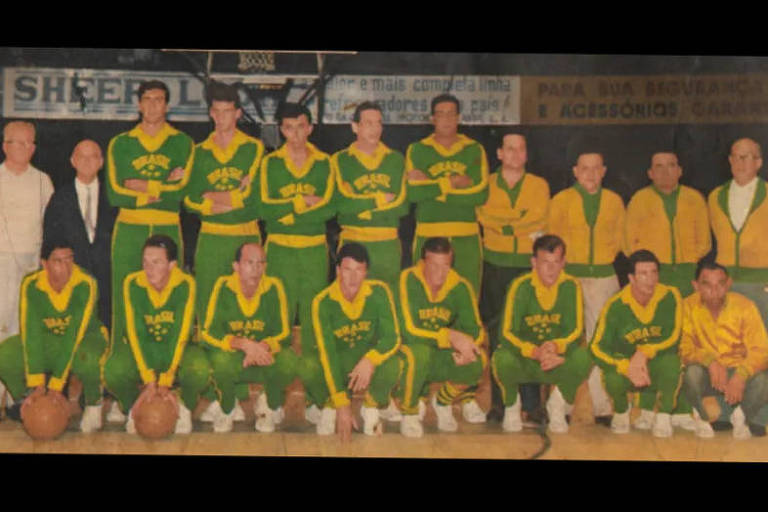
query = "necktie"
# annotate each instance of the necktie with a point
(89, 227)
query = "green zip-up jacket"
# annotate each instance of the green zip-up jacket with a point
(283, 187)
(59, 319)
(625, 326)
(427, 319)
(263, 317)
(436, 200)
(158, 324)
(535, 313)
(366, 326)
(362, 180)
(134, 154)
(222, 170)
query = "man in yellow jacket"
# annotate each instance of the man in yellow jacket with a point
(738, 212)
(590, 220)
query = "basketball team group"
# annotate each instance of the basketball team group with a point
(94, 289)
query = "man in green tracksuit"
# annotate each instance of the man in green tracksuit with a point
(297, 185)
(159, 303)
(148, 169)
(221, 191)
(543, 324)
(60, 331)
(357, 336)
(370, 194)
(447, 179)
(247, 329)
(441, 337)
(636, 343)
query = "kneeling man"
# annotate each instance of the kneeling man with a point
(543, 323)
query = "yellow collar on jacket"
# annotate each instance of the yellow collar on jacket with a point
(314, 155)
(158, 298)
(60, 300)
(450, 283)
(373, 161)
(547, 295)
(462, 142)
(224, 155)
(151, 143)
(248, 306)
(643, 313)
(353, 309)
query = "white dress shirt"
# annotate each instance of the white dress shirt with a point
(83, 191)
(740, 201)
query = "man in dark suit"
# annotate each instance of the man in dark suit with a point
(81, 211)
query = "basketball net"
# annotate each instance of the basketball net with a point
(256, 61)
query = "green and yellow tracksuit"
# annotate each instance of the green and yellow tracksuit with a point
(263, 317)
(59, 332)
(158, 326)
(297, 252)
(442, 210)
(674, 227)
(533, 315)
(346, 332)
(136, 155)
(624, 327)
(218, 169)
(364, 215)
(426, 348)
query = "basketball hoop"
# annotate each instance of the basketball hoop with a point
(256, 61)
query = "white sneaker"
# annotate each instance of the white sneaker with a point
(472, 412)
(312, 414)
(662, 425)
(370, 420)
(512, 420)
(422, 410)
(391, 413)
(223, 422)
(620, 423)
(645, 420)
(211, 412)
(684, 421)
(184, 421)
(278, 415)
(265, 422)
(704, 429)
(739, 422)
(410, 426)
(130, 425)
(238, 412)
(115, 415)
(556, 412)
(327, 424)
(91, 421)
(445, 420)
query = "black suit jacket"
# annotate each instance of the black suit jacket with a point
(62, 216)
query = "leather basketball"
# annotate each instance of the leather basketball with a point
(44, 418)
(155, 418)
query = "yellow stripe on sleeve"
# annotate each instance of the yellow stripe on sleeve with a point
(147, 375)
(166, 378)
(338, 397)
(285, 330)
(526, 348)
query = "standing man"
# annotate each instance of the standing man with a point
(249, 333)
(447, 179)
(371, 192)
(221, 191)
(357, 336)
(514, 215)
(60, 332)
(159, 303)
(80, 210)
(738, 211)
(636, 344)
(725, 352)
(148, 169)
(670, 220)
(297, 184)
(442, 336)
(542, 328)
(590, 220)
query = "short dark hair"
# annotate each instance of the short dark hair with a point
(505, 132)
(444, 98)
(219, 91)
(708, 263)
(148, 85)
(548, 243)
(53, 242)
(291, 111)
(164, 241)
(366, 105)
(239, 250)
(355, 251)
(641, 256)
(437, 245)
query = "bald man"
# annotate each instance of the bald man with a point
(79, 209)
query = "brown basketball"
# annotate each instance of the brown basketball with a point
(44, 418)
(155, 418)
